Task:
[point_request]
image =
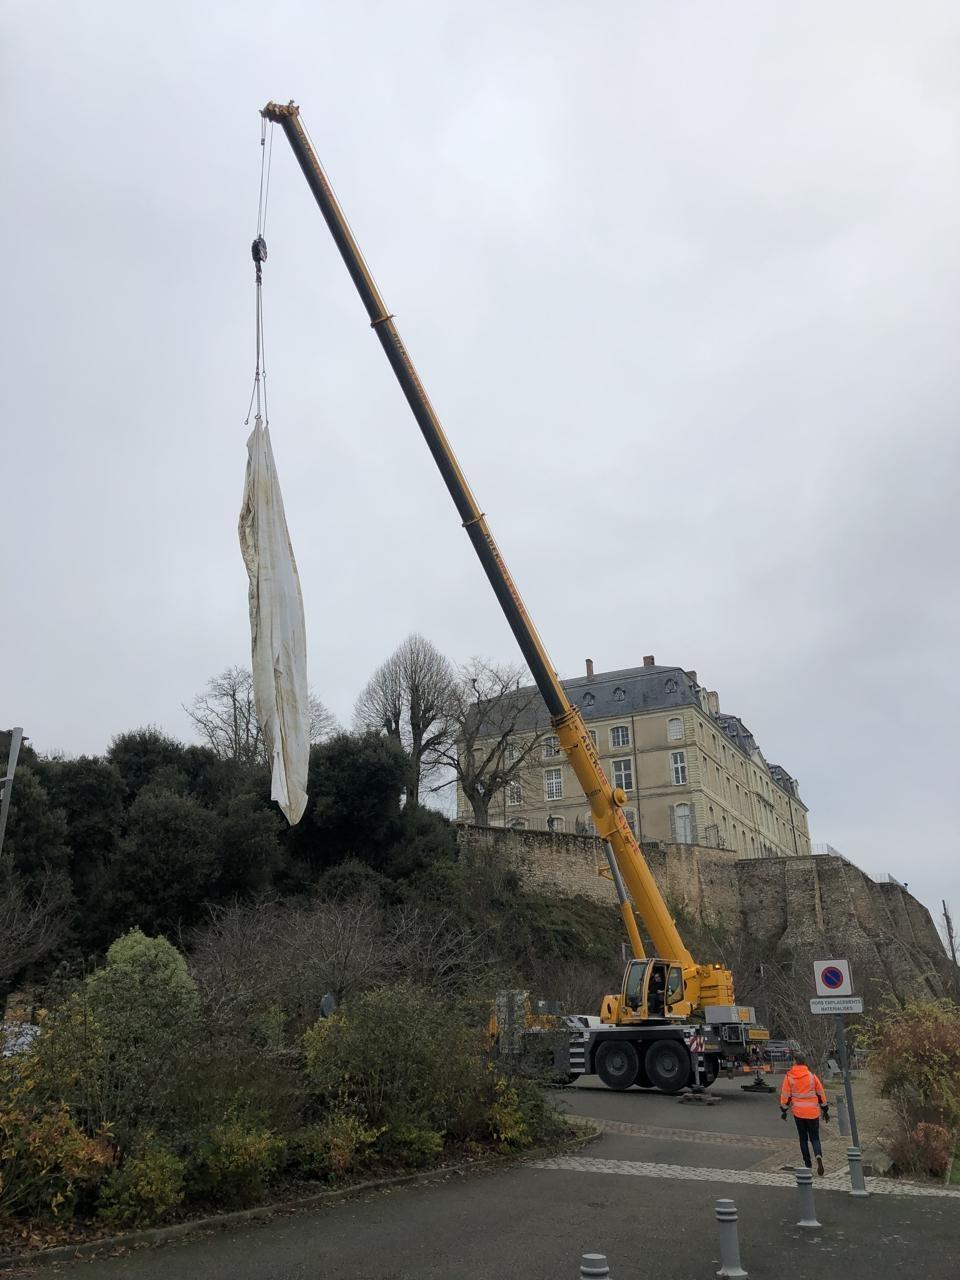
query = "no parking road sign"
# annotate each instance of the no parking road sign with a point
(833, 977)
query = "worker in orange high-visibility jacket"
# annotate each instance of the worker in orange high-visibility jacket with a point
(803, 1094)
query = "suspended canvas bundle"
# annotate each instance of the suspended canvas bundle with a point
(277, 628)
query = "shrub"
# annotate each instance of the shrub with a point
(412, 1144)
(237, 1163)
(150, 966)
(398, 1055)
(923, 1149)
(520, 1115)
(338, 1146)
(916, 1056)
(144, 1189)
(46, 1162)
(113, 1050)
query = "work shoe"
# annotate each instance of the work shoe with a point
(819, 1166)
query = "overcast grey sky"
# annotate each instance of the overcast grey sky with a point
(682, 280)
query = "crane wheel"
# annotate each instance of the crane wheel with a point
(668, 1065)
(618, 1064)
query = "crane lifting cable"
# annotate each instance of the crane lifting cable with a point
(277, 629)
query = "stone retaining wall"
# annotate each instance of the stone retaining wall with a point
(820, 905)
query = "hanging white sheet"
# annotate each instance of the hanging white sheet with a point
(278, 634)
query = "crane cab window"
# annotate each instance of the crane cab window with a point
(633, 983)
(674, 985)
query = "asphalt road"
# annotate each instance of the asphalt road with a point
(534, 1223)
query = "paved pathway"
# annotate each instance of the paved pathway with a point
(643, 1194)
(680, 1135)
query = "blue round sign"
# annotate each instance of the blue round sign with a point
(832, 977)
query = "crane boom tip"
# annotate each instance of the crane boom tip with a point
(275, 111)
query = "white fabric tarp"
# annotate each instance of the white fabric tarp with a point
(278, 634)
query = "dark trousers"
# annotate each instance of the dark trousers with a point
(809, 1132)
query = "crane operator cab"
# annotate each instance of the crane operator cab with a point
(652, 989)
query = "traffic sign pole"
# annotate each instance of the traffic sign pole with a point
(847, 1087)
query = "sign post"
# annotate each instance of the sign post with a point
(835, 996)
(848, 1088)
(12, 739)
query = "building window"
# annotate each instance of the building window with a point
(593, 735)
(670, 686)
(555, 824)
(678, 761)
(619, 694)
(631, 817)
(551, 746)
(553, 784)
(682, 824)
(623, 773)
(514, 793)
(588, 699)
(620, 735)
(510, 753)
(674, 729)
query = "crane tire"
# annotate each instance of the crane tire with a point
(667, 1063)
(618, 1064)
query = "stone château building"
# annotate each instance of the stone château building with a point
(692, 774)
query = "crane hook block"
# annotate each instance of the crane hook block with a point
(259, 250)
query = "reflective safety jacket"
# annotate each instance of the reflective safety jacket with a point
(803, 1092)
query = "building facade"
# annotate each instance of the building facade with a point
(692, 774)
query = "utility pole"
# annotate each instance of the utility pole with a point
(11, 738)
(951, 939)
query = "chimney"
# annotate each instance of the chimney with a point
(713, 703)
(692, 675)
(649, 660)
(589, 668)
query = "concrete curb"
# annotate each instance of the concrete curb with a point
(160, 1235)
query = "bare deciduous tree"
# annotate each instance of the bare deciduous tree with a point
(408, 698)
(287, 956)
(496, 732)
(271, 963)
(225, 716)
(439, 952)
(32, 922)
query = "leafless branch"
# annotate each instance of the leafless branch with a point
(498, 730)
(32, 922)
(225, 716)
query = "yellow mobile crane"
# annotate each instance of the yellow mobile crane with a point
(668, 1006)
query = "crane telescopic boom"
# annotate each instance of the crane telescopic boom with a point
(628, 867)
